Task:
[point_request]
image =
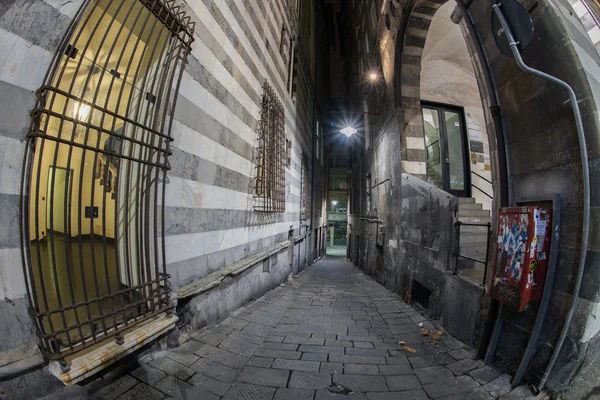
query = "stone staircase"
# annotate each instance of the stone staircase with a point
(473, 239)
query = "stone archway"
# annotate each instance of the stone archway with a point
(409, 51)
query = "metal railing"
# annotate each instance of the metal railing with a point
(457, 254)
(94, 174)
(478, 188)
(593, 9)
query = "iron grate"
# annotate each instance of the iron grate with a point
(94, 173)
(271, 155)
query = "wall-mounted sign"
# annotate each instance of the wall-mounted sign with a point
(476, 146)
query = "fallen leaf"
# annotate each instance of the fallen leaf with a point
(425, 332)
(435, 342)
(409, 349)
(436, 335)
(402, 342)
(339, 389)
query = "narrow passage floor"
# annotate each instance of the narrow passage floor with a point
(330, 333)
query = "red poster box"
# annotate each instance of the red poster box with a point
(522, 255)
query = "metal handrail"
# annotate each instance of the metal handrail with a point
(485, 179)
(593, 10)
(457, 254)
(482, 191)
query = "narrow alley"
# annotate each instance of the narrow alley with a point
(299, 199)
(331, 332)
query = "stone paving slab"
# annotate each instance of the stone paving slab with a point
(296, 365)
(182, 390)
(330, 324)
(215, 370)
(142, 391)
(405, 395)
(209, 384)
(309, 380)
(294, 394)
(243, 391)
(147, 374)
(362, 382)
(264, 376)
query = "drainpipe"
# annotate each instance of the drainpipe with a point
(503, 156)
(586, 190)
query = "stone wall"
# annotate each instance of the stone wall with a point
(543, 159)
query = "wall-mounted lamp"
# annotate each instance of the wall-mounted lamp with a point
(373, 76)
(334, 202)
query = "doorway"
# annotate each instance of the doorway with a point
(446, 148)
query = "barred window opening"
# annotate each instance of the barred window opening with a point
(93, 187)
(271, 155)
(304, 190)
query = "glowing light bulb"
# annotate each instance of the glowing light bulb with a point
(81, 111)
(348, 131)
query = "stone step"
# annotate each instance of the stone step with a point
(472, 238)
(469, 206)
(476, 220)
(473, 249)
(465, 200)
(473, 230)
(472, 213)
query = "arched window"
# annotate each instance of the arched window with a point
(93, 187)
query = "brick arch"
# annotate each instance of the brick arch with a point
(418, 17)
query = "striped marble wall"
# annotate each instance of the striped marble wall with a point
(210, 214)
(210, 217)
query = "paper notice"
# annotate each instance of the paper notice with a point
(540, 227)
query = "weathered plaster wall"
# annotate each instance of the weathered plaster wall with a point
(210, 216)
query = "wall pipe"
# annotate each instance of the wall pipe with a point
(586, 189)
(503, 156)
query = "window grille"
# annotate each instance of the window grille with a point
(304, 190)
(93, 184)
(271, 155)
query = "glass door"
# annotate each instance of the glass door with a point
(446, 149)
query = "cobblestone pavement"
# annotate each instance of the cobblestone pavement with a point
(330, 328)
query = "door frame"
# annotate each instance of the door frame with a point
(440, 108)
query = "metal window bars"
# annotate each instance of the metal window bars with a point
(94, 173)
(305, 210)
(271, 155)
